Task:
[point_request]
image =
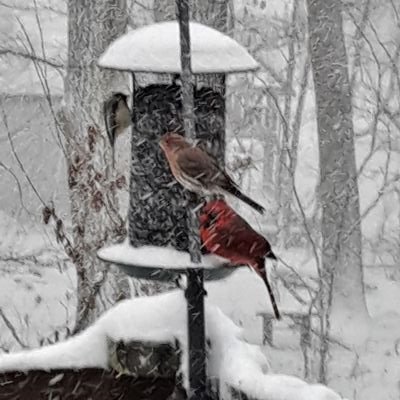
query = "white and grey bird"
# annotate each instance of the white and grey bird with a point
(117, 117)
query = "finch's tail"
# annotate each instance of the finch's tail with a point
(260, 266)
(237, 193)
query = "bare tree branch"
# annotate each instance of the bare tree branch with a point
(46, 89)
(296, 195)
(32, 57)
(387, 52)
(12, 329)
(28, 8)
(21, 165)
(9, 170)
(299, 112)
(39, 25)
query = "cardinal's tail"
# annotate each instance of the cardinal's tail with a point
(271, 255)
(237, 193)
(260, 266)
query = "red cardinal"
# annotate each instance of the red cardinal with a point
(197, 171)
(227, 234)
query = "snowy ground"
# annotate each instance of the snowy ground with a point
(162, 318)
(38, 299)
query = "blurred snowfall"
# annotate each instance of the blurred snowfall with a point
(37, 281)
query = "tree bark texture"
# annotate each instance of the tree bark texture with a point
(92, 186)
(218, 14)
(286, 181)
(341, 227)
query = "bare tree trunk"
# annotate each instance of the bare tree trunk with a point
(341, 228)
(218, 14)
(285, 192)
(298, 115)
(94, 207)
(270, 123)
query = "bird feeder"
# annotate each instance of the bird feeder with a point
(157, 207)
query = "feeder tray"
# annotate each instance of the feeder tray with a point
(162, 263)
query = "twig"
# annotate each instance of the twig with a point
(9, 170)
(21, 8)
(32, 57)
(45, 86)
(299, 113)
(5, 121)
(296, 195)
(12, 329)
(39, 25)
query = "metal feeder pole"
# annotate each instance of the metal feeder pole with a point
(195, 291)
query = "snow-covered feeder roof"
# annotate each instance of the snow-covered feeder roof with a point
(156, 48)
(162, 263)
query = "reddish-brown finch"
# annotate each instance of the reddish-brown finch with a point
(227, 234)
(197, 171)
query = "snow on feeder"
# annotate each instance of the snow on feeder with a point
(158, 204)
(156, 48)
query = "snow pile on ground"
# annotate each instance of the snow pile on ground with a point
(244, 367)
(162, 318)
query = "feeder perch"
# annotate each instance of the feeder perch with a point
(162, 264)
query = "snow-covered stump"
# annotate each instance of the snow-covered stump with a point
(81, 367)
(158, 212)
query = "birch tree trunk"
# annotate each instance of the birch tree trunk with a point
(341, 225)
(92, 187)
(285, 187)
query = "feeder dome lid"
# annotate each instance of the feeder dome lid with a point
(156, 48)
